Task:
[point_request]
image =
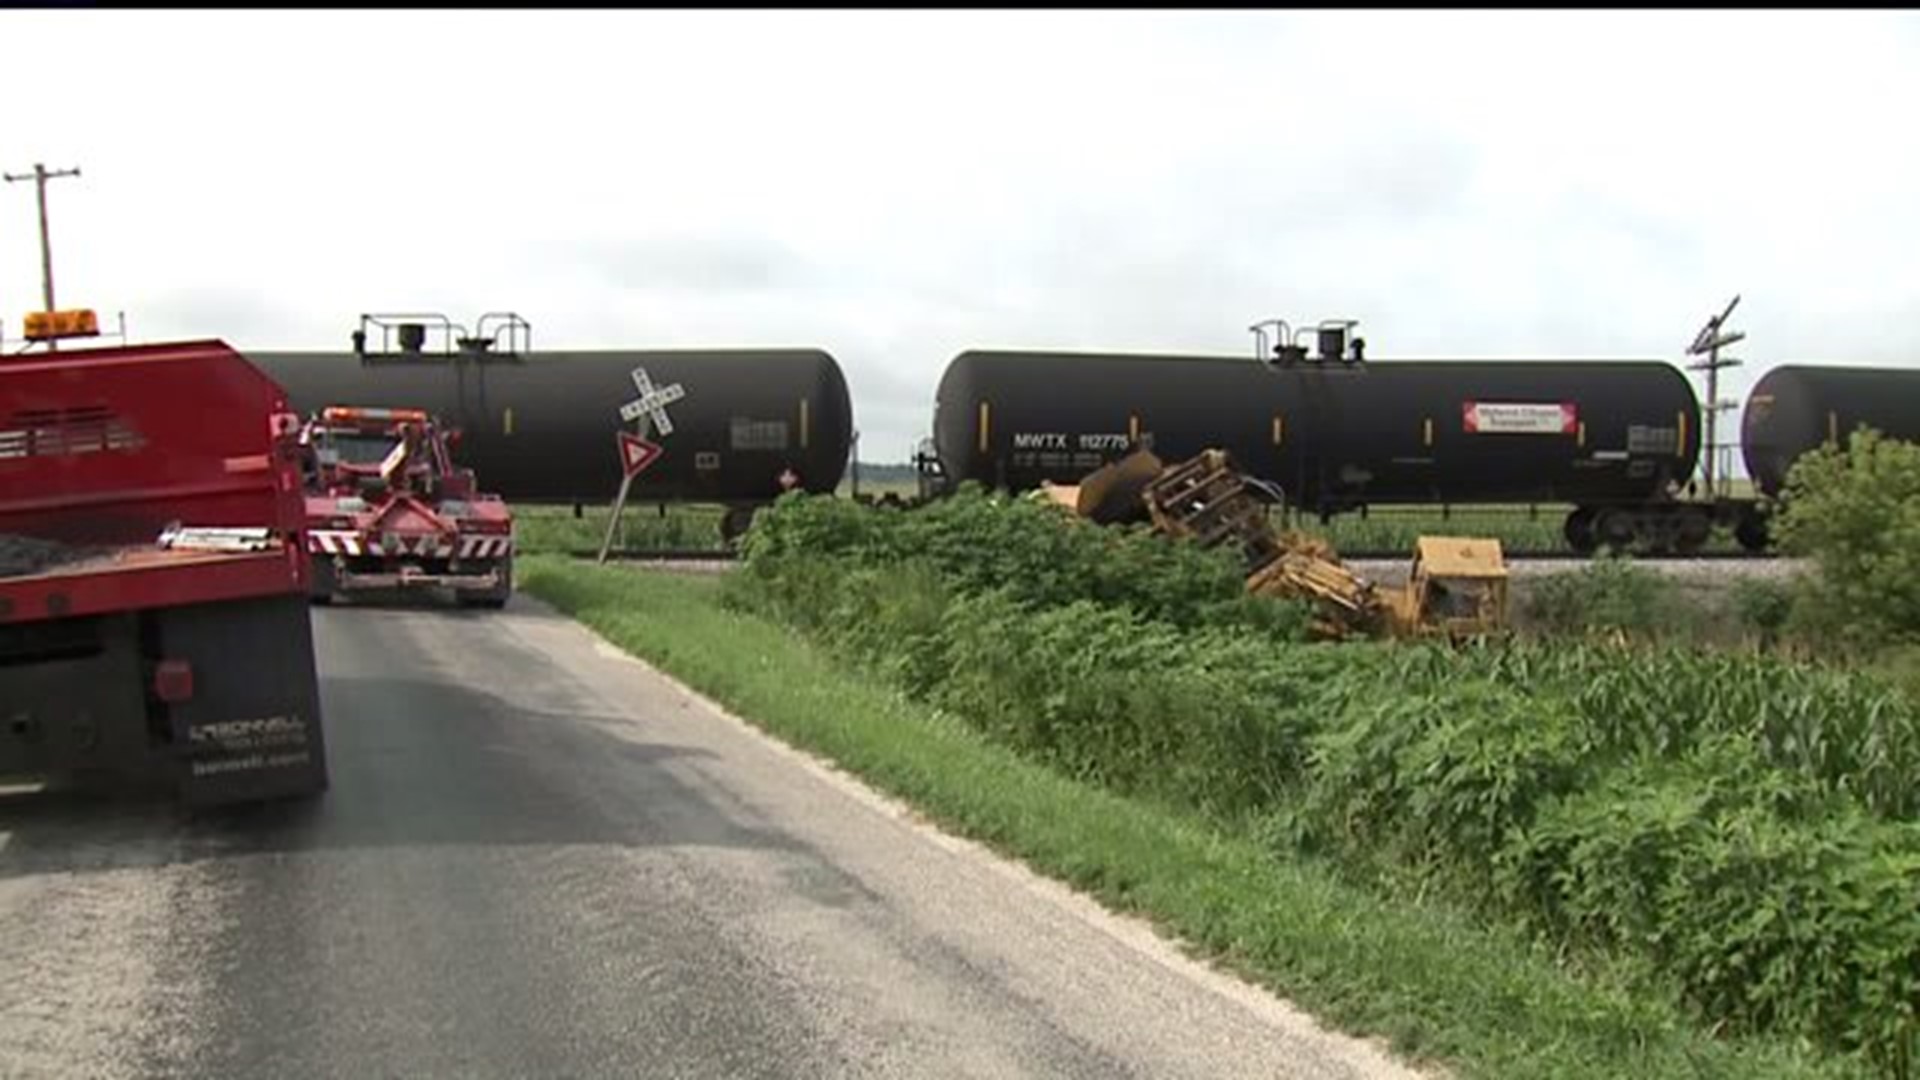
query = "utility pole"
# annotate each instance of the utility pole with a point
(40, 175)
(1709, 341)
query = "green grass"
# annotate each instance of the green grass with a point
(554, 529)
(1518, 528)
(1439, 985)
(682, 526)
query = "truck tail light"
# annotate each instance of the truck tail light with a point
(173, 681)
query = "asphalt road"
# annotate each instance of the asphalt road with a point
(540, 858)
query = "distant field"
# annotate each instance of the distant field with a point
(876, 488)
(884, 473)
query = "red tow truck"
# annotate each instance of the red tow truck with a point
(154, 631)
(387, 507)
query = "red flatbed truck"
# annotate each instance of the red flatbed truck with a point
(154, 626)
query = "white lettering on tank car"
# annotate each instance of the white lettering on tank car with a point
(1055, 440)
(1039, 440)
(1519, 418)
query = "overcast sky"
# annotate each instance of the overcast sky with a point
(896, 187)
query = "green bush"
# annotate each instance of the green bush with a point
(1041, 556)
(1608, 596)
(1098, 691)
(1855, 512)
(1764, 608)
(1855, 734)
(1769, 918)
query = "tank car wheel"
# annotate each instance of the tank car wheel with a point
(1578, 530)
(1751, 532)
(1615, 530)
(1691, 531)
(735, 524)
(1658, 533)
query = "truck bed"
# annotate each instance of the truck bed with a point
(43, 580)
(24, 555)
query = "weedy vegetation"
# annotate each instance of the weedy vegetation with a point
(1742, 825)
(1719, 850)
(1441, 983)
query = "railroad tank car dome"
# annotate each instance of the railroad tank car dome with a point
(1331, 436)
(1795, 408)
(541, 427)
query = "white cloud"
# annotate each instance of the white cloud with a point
(898, 186)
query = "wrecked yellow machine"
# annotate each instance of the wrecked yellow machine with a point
(1456, 587)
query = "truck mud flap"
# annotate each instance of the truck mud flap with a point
(251, 728)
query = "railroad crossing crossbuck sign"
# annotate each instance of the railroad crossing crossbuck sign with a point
(652, 403)
(637, 452)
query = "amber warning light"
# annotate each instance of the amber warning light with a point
(50, 325)
(343, 415)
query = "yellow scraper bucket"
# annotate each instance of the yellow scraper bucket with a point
(1111, 494)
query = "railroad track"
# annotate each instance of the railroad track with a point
(1569, 556)
(725, 555)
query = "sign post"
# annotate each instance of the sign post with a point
(637, 452)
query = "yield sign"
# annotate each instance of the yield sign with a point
(637, 453)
